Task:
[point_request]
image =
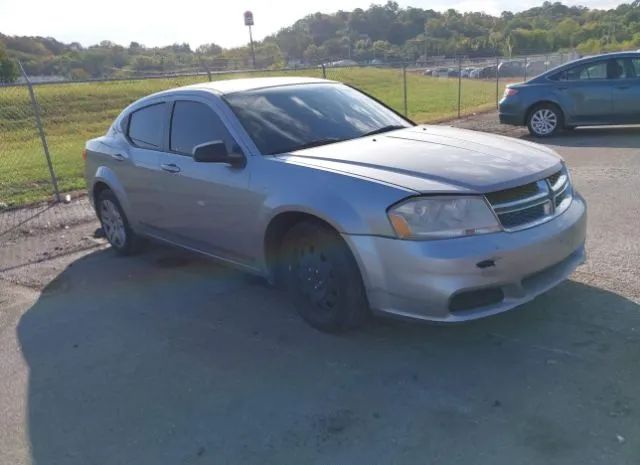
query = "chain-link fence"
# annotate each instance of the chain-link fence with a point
(43, 126)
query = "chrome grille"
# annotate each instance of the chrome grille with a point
(554, 178)
(517, 193)
(520, 217)
(531, 204)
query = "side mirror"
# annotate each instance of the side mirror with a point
(216, 152)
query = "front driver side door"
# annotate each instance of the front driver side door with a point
(207, 206)
(626, 91)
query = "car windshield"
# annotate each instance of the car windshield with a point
(287, 118)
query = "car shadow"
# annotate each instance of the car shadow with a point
(605, 137)
(164, 358)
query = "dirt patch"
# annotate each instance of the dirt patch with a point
(488, 122)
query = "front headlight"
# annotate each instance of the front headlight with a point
(442, 217)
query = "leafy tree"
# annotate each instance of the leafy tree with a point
(381, 31)
(8, 68)
(209, 49)
(314, 54)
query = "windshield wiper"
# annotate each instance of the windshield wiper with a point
(391, 127)
(315, 143)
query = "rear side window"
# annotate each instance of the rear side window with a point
(616, 69)
(586, 72)
(194, 123)
(635, 67)
(606, 69)
(145, 126)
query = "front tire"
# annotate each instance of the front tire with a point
(114, 223)
(544, 120)
(323, 278)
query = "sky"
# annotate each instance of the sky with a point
(157, 22)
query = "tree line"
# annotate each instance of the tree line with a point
(380, 33)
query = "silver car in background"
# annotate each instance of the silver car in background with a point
(349, 206)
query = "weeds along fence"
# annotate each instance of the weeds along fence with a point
(43, 126)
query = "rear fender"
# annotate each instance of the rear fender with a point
(106, 176)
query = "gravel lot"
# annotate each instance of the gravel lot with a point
(165, 358)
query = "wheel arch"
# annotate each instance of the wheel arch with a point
(533, 106)
(98, 187)
(277, 228)
(105, 178)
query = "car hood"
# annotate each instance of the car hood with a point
(435, 159)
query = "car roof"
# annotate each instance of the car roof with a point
(230, 86)
(226, 87)
(586, 59)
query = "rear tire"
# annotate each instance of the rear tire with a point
(114, 223)
(323, 278)
(544, 120)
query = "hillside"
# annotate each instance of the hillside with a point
(381, 32)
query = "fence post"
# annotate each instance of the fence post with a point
(497, 81)
(43, 138)
(525, 68)
(404, 88)
(459, 83)
(324, 71)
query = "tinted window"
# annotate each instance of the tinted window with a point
(145, 126)
(609, 69)
(616, 69)
(281, 119)
(192, 124)
(634, 67)
(585, 72)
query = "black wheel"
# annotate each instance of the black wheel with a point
(115, 224)
(545, 120)
(323, 278)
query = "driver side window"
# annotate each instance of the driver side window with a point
(194, 123)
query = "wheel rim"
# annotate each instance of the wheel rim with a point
(544, 121)
(314, 277)
(112, 223)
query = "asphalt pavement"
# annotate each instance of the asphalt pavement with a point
(167, 358)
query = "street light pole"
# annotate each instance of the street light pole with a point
(426, 50)
(248, 21)
(253, 51)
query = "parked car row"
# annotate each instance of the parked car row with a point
(507, 69)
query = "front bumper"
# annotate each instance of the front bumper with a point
(423, 279)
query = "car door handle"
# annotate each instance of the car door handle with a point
(562, 88)
(118, 156)
(622, 87)
(170, 167)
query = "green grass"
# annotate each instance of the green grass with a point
(73, 113)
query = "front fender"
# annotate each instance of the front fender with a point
(351, 204)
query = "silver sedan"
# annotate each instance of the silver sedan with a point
(338, 199)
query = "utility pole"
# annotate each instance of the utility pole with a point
(248, 21)
(426, 49)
